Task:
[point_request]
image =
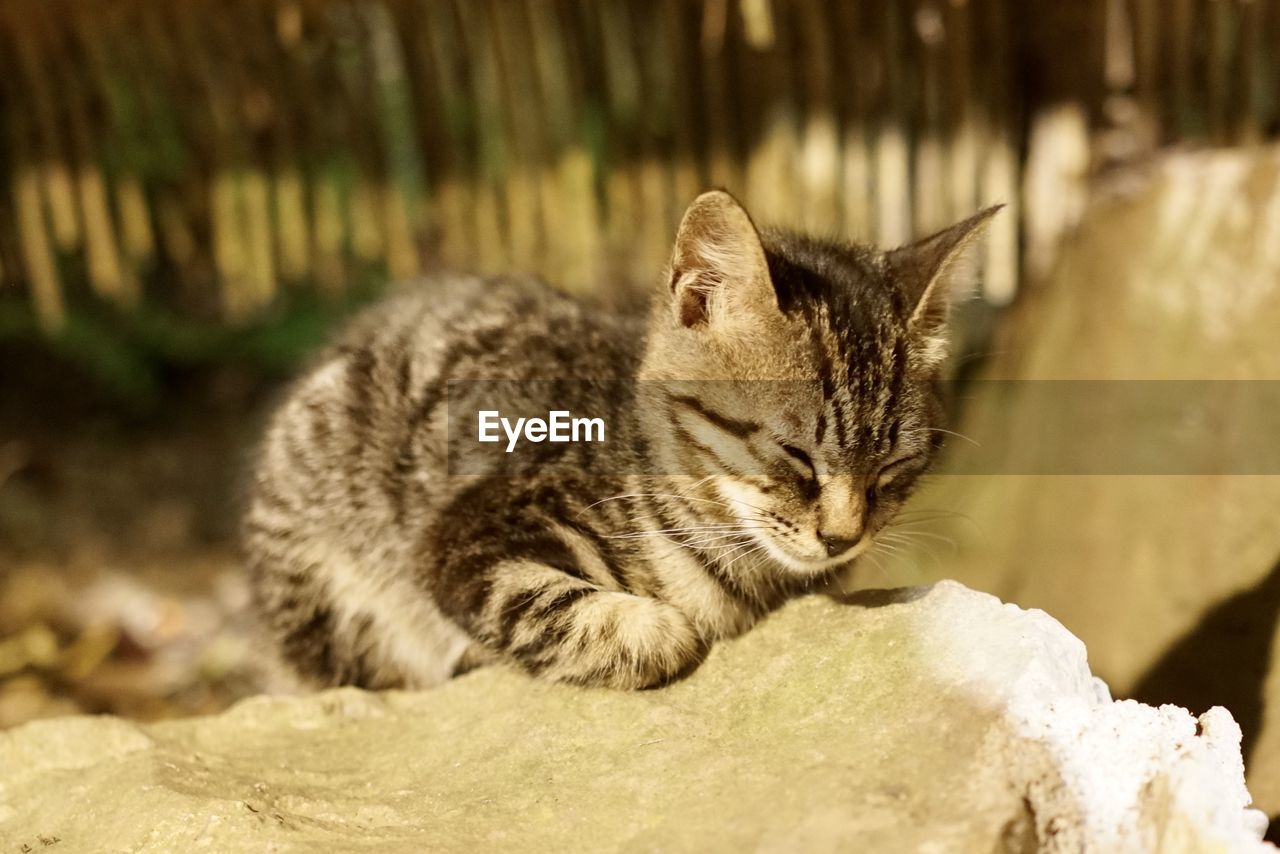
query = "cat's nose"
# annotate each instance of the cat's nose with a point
(837, 545)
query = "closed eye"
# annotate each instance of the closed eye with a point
(801, 460)
(897, 469)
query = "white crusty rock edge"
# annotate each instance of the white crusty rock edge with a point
(1129, 777)
(928, 719)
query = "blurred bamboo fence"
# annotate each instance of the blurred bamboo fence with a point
(213, 156)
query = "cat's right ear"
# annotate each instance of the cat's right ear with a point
(718, 269)
(933, 273)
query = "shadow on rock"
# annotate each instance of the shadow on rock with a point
(1223, 660)
(879, 597)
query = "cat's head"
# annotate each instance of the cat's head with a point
(791, 380)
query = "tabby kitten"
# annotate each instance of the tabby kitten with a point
(766, 420)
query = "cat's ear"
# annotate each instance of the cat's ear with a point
(935, 273)
(718, 269)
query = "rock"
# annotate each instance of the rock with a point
(1172, 581)
(927, 719)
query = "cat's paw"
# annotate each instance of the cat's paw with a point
(630, 642)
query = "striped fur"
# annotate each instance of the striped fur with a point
(373, 566)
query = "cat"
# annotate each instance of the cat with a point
(768, 417)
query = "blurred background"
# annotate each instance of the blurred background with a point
(194, 192)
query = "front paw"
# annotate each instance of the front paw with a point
(631, 642)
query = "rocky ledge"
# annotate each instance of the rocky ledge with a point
(928, 719)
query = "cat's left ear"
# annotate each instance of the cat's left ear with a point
(936, 272)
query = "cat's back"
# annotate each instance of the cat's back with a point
(462, 327)
(359, 441)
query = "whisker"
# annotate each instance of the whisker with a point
(695, 546)
(658, 495)
(930, 553)
(968, 439)
(729, 550)
(870, 555)
(928, 535)
(932, 512)
(752, 506)
(706, 541)
(838, 578)
(889, 548)
(692, 529)
(912, 520)
(759, 548)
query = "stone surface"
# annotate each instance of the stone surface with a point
(930, 719)
(1172, 581)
